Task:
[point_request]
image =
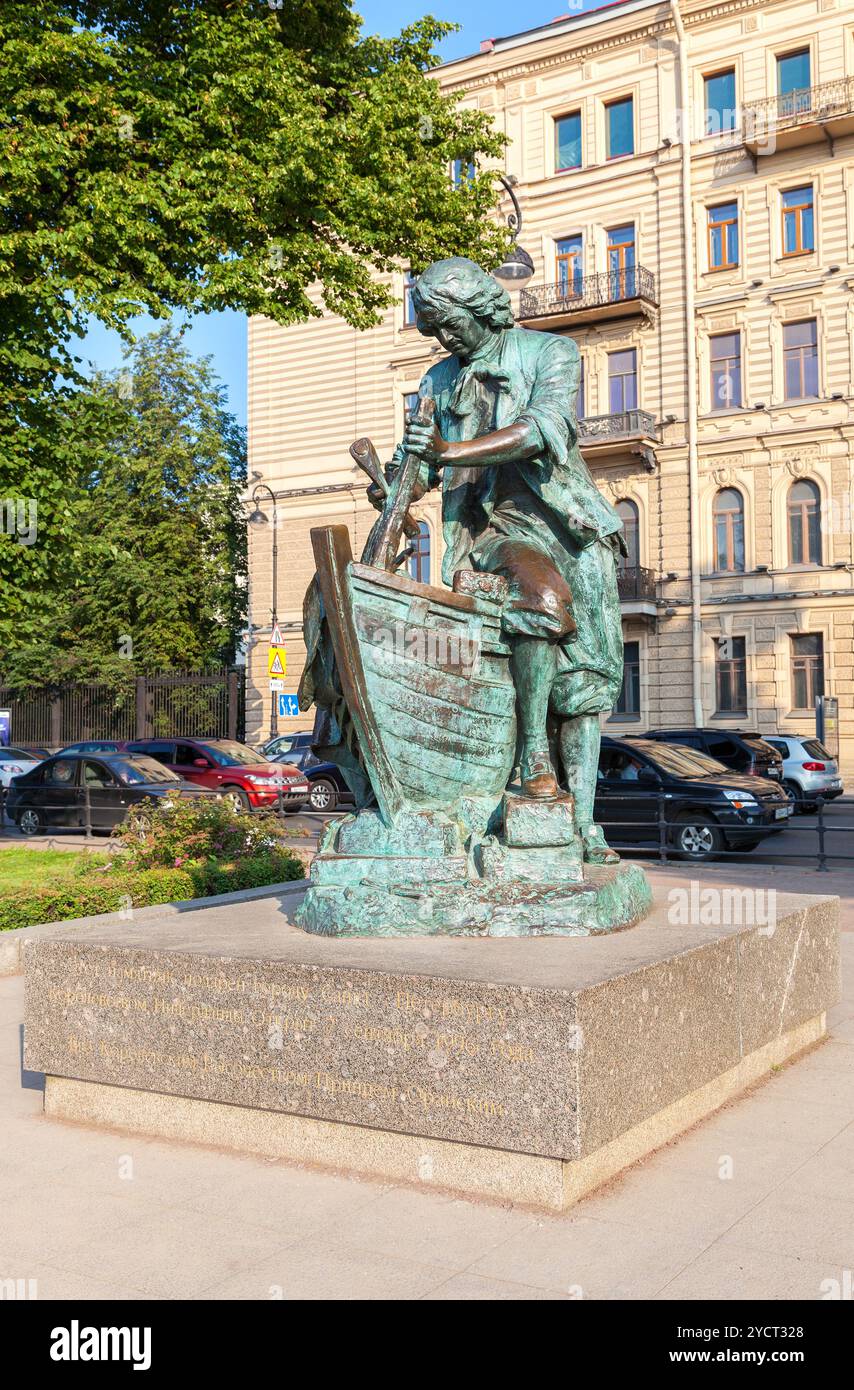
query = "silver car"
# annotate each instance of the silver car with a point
(808, 770)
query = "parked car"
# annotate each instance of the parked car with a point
(246, 778)
(327, 788)
(809, 771)
(740, 749)
(98, 745)
(708, 807)
(13, 761)
(55, 792)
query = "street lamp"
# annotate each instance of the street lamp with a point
(517, 264)
(258, 515)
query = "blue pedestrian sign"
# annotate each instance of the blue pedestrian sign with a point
(288, 706)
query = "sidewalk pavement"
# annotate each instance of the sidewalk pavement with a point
(756, 1202)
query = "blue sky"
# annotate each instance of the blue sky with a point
(224, 335)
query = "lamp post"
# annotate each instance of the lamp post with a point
(517, 264)
(258, 515)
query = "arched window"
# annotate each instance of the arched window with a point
(804, 512)
(630, 517)
(728, 517)
(419, 560)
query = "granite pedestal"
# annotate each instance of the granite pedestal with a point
(523, 1069)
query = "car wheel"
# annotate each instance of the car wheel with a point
(323, 795)
(30, 822)
(697, 838)
(796, 797)
(236, 799)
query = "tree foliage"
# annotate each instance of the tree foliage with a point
(155, 571)
(198, 155)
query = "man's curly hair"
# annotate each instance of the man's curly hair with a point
(460, 282)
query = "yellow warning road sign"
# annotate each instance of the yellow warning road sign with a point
(277, 664)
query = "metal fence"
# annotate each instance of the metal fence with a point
(827, 853)
(208, 704)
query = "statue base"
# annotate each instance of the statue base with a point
(428, 874)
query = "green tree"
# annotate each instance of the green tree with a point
(158, 578)
(196, 155)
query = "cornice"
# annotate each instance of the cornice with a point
(513, 70)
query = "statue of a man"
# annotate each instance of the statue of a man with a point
(519, 501)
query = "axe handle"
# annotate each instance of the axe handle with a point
(385, 537)
(366, 456)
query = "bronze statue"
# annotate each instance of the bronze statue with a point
(433, 697)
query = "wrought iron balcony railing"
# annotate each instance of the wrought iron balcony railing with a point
(806, 106)
(607, 287)
(625, 424)
(635, 582)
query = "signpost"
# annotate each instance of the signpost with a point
(277, 665)
(288, 706)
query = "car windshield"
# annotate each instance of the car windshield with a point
(231, 754)
(814, 749)
(140, 769)
(678, 760)
(10, 755)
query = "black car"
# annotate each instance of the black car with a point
(58, 790)
(327, 788)
(741, 749)
(707, 807)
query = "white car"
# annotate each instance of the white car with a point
(14, 761)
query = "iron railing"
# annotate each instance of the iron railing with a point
(588, 292)
(635, 582)
(207, 704)
(805, 106)
(623, 424)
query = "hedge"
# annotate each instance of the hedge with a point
(114, 890)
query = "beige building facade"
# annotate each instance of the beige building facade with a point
(686, 179)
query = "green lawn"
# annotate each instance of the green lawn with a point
(22, 868)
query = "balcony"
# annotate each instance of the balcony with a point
(626, 432)
(636, 587)
(800, 117)
(609, 294)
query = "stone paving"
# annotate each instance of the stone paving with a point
(755, 1203)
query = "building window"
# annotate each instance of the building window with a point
(579, 399)
(463, 172)
(725, 365)
(800, 359)
(807, 670)
(620, 119)
(730, 675)
(628, 700)
(410, 405)
(723, 236)
(622, 278)
(622, 381)
(793, 82)
(419, 560)
(570, 265)
(408, 306)
(568, 141)
(630, 517)
(798, 221)
(803, 509)
(728, 518)
(720, 102)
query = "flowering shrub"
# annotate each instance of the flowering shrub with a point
(191, 849)
(187, 833)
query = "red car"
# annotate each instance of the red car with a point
(249, 780)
